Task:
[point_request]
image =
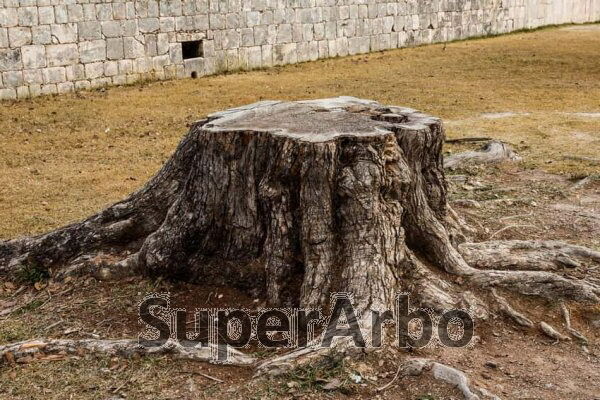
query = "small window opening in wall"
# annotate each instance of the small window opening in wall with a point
(194, 74)
(192, 49)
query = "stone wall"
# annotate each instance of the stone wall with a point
(57, 46)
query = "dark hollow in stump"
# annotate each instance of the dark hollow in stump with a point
(294, 200)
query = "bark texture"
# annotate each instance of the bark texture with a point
(294, 200)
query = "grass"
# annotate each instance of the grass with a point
(63, 158)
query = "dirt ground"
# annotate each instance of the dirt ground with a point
(63, 158)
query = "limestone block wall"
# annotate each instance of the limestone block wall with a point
(58, 46)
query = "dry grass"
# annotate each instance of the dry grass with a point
(63, 158)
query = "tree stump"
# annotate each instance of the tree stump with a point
(294, 200)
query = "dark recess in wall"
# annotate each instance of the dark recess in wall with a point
(192, 49)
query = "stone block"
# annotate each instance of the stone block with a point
(28, 16)
(75, 13)
(104, 11)
(19, 36)
(126, 67)
(62, 54)
(284, 33)
(129, 27)
(8, 94)
(3, 37)
(119, 80)
(64, 33)
(100, 82)
(247, 37)
(255, 57)
(94, 70)
(216, 21)
(46, 15)
(162, 43)
(54, 75)
(175, 53)
(33, 77)
(231, 39)
(91, 51)
(9, 17)
(82, 85)
(35, 90)
(111, 68)
(143, 65)
(260, 35)
(49, 89)
(89, 30)
(151, 45)
(114, 49)
(41, 34)
(132, 47)
(75, 72)
(284, 54)
(232, 21)
(12, 78)
(153, 9)
(23, 92)
(119, 11)
(65, 87)
(33, 56)
(167, 24)
(112, 29)
(172, 8)
(61, 14)
(148, 25)
(89, 12)
(159, 62)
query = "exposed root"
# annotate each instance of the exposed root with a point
(567, 317)
(539, 283)
(119, 228)
(548, 255)
(434, 292)
(492, 152)
(453, 376)
(511, 312)
(551, 332)
(41, 349)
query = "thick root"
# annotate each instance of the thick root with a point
(548, 255)
(511, 312)
(567, 317)
(492, 152)
(49, 349)
(453, 376)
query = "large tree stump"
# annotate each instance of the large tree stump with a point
(295, 200)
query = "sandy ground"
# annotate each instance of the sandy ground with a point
(64, 158)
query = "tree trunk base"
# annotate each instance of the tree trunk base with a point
(292, 201)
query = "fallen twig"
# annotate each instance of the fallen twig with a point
(209, 377)
(390, 383)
